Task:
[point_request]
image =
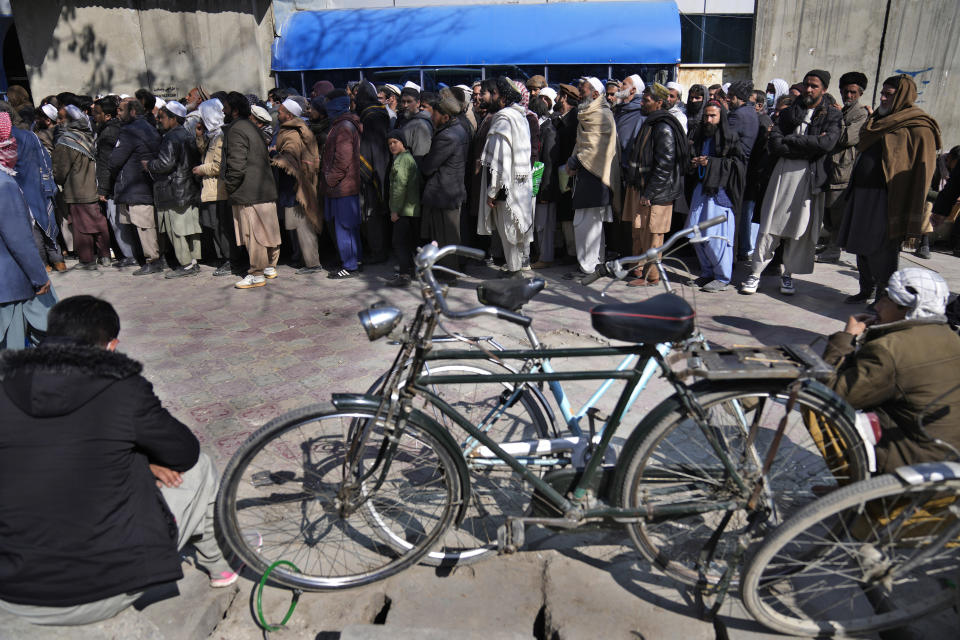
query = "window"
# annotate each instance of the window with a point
(711, 38)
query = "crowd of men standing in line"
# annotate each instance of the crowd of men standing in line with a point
(500, 165)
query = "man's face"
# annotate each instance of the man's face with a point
(283, 115)
(648, 105)
(694, 99)
(438, 119)
(628, 88)
(124, 112)
(426, 107)
(812, 91)
(193, 98)
(612, 94)
(408, 104)
(98, 115)
(166, 122)
(886, 99)
(673, 99)
(850, 93)
(711, 115)
(735, 102)
(395, 146)
(713, 94)
(534, 91)
(490, 100)
(382, 97)
(586, 91)
(476, 94)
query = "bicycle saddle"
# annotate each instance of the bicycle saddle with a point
(662, 318)
(509, 293)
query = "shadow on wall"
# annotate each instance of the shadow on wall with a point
(38, 20)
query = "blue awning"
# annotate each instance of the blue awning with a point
(475, 35)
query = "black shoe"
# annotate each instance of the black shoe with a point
(125, 262)
(105, 261)
(182, 272)
(923, 252)
(224, 270)
(87, 266)
(341, 274)
(701, 281)
(575, 275)
(861, 298)
(399, 281)
(827, 258)
(308, 270)
(147, 269)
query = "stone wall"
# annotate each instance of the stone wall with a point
(169, 46)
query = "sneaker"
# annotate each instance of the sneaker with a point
(715, 286)
(270, 273)
(304, 270)
(750, 285)
(224, 270)
(701, 281)
(250, 282)
(223, 579)
(786, 286)
(341, 274)
(399, 281)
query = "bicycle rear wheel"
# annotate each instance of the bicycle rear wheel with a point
(840, 565)
(281, 498)
(672, 464)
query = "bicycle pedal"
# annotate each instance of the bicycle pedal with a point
(510, 536)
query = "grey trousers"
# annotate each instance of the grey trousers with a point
(192, 507)
(295, 220)
(124, 234)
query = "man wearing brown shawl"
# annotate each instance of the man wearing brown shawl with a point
(898, 155)
(297, 156)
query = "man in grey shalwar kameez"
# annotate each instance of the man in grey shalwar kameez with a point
(792, 208)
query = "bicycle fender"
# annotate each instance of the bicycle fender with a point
(928, 472)
(347, 401)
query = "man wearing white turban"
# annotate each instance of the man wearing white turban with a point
(901, 364)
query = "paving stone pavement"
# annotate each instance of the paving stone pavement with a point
(226, 361)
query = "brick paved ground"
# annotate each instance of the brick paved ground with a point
(226, 361)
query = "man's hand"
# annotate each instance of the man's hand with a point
(857, 324)
(491, 203)
(196, 170)
(644, 202)
(166, 477)
(102, 198)
(393, 216)
(44, 288)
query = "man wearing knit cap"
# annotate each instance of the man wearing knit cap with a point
(898, 157)
(792, 208)
(844, 156)
(176, 193)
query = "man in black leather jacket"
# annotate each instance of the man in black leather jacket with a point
(658, 158)
(176, 191)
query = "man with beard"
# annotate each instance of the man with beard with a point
(898, 156)
(416, 125)
(675, 105)
(719, 168)
(658, 158)
(298, 160)
(852, 86)
(595, 165)
(695, 102)
(793, 203)
(75, 170)
(506, 180)
(194, 97)
(251, 191)
(105, 115)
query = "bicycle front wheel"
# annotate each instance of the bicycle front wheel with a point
(871, 556)
(674, 465)
(284, 495)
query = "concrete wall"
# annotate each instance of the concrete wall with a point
(844, 35)
(91, 46)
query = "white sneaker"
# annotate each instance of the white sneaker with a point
(786, 286)
(750, 285)
(250, 282)
(270, 272)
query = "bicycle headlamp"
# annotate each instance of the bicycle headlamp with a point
(379, 321)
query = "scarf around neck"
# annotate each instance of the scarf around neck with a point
(76, 135)
(506, 156)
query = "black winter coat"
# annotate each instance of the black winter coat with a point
(444, 167)
(815, 145)
(106, 141)
(174, 184)
(81, 517)
(658, 159)
(138, 140)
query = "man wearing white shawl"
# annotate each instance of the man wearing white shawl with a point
(506, 179)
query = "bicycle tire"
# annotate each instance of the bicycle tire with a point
(811, 576)
(669, 461)
(497, 492)
(278, 499)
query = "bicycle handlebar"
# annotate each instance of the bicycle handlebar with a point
(425, 260)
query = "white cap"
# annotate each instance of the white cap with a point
(123, 96)
(675, 86)
(262, 114)
(595, 83)
(50, 111)
(549, 93)
(160, 102)
(176, 108)
(392, 87)
(725, 87)
(292, 107)
(411, 85)
(464, 88)
(637, 83)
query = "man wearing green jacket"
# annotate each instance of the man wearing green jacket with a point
(404, 205)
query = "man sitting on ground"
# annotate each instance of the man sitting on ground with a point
(901, 364)
(99, 485)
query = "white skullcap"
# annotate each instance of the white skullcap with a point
(549, 93)
(675, 86)
(50, 111)
(123, 96)
(160, 102)
(291, 106)
(262, 114)
(176, 108)
(74, 113)
(725, 87)
(464, 88)
(392, 87)
(637, 83)
(411, 85)
(595, 83)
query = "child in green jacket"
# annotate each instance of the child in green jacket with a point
(404, 206)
